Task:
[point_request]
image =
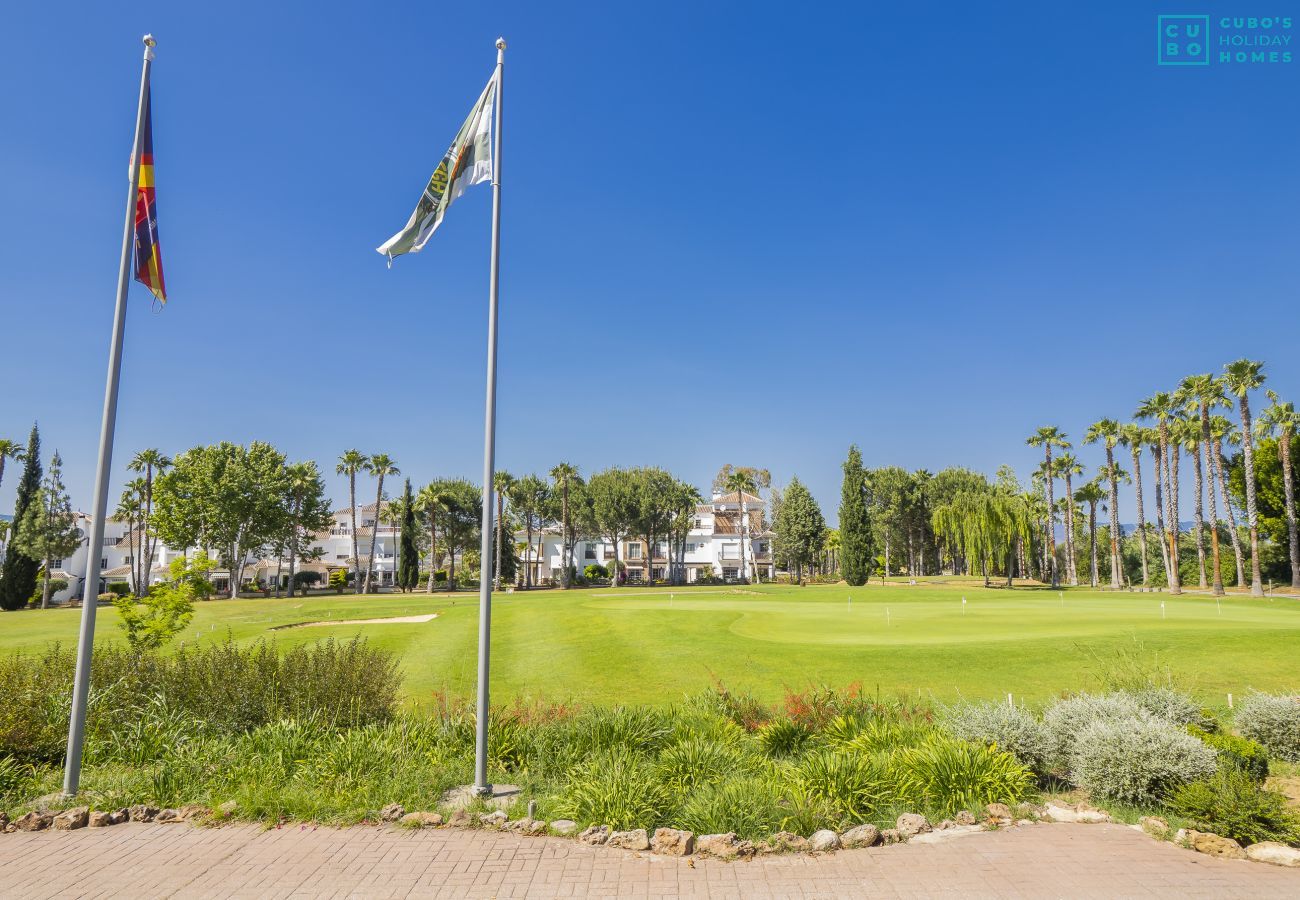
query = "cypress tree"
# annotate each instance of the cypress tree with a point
(408, 571)
(856, 544)
(18, 577)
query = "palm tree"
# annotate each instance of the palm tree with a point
(350, 463)
(302, 479)
(1091, 493)
(1131, 436)
(1241, 377)
(742, 482)
(1206, 391)
(130, 509)
(1221, 428)
(1108, 431)
(432, 500)
(1187, 430)
(501, 483)
(1281, 419)
(1160, 406)
(1036, 509)
(9, 450)
(152, 462)
(1047, 437)
(380, 465)
(564, 473)
(1068, 466)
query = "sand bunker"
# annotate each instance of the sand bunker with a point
(390, 621)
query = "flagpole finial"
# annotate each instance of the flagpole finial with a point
(501, 43)
(149, 44)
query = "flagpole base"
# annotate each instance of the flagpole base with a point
(500, 796)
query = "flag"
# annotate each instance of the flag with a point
(148, 255)
(467, 162)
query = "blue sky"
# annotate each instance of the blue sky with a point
(737, 233)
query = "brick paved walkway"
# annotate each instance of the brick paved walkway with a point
(241, 861)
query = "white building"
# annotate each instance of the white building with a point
(713, 547)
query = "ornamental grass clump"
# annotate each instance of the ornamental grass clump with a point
(618, 788)
(1006, 727)
(948, 775)
(1272, 720)
(1139, 760)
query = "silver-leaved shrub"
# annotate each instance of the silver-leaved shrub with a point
(1272, 720)
(1139, 760)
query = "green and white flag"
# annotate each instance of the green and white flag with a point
(467, 162)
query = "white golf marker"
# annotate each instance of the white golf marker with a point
(1162, 610)
(963, 606)
(887, 619)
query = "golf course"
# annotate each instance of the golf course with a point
(639, 645)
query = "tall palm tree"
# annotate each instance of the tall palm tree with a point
(303, 477)
(1091, 493)
(1205, 392)
(1108, 431)
(153, 463)
(1240, 378)
(1047, 437)
(1131, 436)
(9, 450)
(742, 482)
(432, 500)
(1221, 428)
(1067, 465)
(501, 483)
(380, 465)
(130, 509)
(349, 464)
(563, 474)
(1281, 419)
(1161, 407)
(1187, 431)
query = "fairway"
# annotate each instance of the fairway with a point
(653, 646)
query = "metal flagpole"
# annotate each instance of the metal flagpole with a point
(481, 786)
(90, 586)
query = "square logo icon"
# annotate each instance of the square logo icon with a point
(1183, 40)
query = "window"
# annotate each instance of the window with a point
(699, 523)
(657, 573)
(633, 551)
(103, 563)
(728, 573)
(760, 548)
(127, 560)
(633, 576)
(340, 556)
(731, 551)
(589, 552)
(56, 564)
(109, 542)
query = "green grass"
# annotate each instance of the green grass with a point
(636, 645)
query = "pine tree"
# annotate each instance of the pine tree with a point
(800, 528)
(856, 550)
(18, 577)
(48, 530)
(408, 572)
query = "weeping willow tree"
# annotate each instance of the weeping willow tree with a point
(982, 526)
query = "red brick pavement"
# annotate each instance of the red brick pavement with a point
(1039, 861)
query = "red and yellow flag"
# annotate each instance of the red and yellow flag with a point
(148, 255)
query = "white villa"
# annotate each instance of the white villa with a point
(713, 546)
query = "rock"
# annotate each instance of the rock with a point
(392, 812)
(965, 817)
(101, 819)
(913, 823)
(1215, 845)
(891, 836)
(788, 841)
(824, 841)
(1180, 837)
(459, 819)
(142, 813)
(494, 819)
(636, 839)
(723, 846)
(4, 820)
(1026, 811)
(421, 819)
(861, 836)
(945, 825)
(1086, 815)
(228, 809)
(70, 819)
(595, 835)
(120, 816)
(998, 811)
(168, 815)
(192, 811)
(535, 827)
(1273, 852)
(1154, 826)
(672, 842)
(34, 821)
(564, 827)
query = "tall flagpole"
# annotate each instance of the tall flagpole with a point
(481, 786)
(90, 586)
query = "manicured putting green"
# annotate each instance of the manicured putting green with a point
(635, 645)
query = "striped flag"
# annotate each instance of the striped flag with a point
(467, 162)
(148, 255)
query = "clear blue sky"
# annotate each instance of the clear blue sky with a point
(732, 233)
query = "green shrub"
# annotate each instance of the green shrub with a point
(852, 785)
(1237, 752)
(752, 807)
(697, 762)
(118, 588)
(1274, 721)
(783, 737)
(13, 776)
(1138, 761)
(595, 571)
(1234, 804)
(616, 787)
(1005, 727)
(950, 775)
(1065, 720)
